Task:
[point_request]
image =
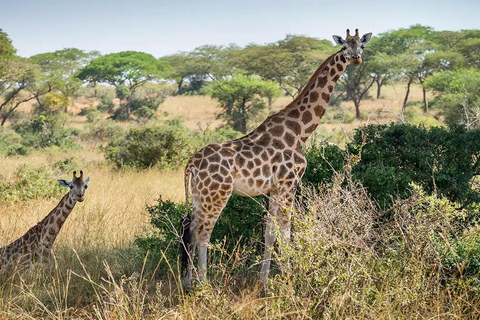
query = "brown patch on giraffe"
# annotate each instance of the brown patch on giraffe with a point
(283, 171)
(330, 88)
(289, 139)
(259, 183)
(202, 174)
(325, 97)
(217, 177)
(215, 147)
(302, 108)
(307, 117)
(204, 192)
(250, 165)
(214, 158)
(277, 119)
(339, 67)
(257, 161)
(295, 127)
(313, 96)
(300, 159)
(319, 111)
(332, 62)
(310, 129)
(294, 113)
(213, 168)
(214, 185)
(245, 172)
(223, 171)
(277, 158)
(277, 131)
(207, 181)
(228, 179)
(226, 152)
(208, 151)
(264, 140)
(257, 150)
(288, 155)
(250, 182)
(336, 57)
(240, 161)
(322, 81)
(264, 156)
(332, 72)
(256, 173)
(335, 79)
(248, 154)
(342, 58)
(277, 144)
(266, 170)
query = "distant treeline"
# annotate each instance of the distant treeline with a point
(446, 62)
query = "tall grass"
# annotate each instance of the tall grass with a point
(346, 259)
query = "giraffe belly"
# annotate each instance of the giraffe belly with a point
(251, 186)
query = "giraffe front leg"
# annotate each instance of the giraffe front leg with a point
(270, 237)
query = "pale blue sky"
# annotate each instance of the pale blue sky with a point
(166, 27)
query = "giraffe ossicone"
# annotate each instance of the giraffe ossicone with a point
(35, 246)
(268, 160)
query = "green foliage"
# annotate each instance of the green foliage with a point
(394, 156)
(106, 104)
(30, 182)
(101, 130)
(45, 131)
(458, 95)
(323, 161)
(11, 143)
(147, 146)
(239, 224)
(241, 97)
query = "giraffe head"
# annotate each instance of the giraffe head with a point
(352, 46)
(77, 186)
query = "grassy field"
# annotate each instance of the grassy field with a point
(99, 273)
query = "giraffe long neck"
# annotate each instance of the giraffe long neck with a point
(302, 115)
(50, 226)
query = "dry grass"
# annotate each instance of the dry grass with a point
(108, 282)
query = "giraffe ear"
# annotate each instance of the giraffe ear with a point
(366, 37)
(338, 40)
(64, 183)
(87, 181)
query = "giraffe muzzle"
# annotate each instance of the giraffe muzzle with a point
(356, 61)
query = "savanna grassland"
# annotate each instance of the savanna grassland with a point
(386, 219)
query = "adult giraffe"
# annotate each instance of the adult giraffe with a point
(35, 246)
(267, 160)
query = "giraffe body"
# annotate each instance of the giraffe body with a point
(35, 246)
(268, 160)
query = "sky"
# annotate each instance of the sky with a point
(166, 27)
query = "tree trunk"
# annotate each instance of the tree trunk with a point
(379, 87)
(424, 91)
(179, 87)
(406, 94)
(357, 108)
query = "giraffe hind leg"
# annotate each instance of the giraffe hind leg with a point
(186, 250)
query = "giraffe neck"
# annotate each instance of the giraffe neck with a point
(302, 115)
(50, 226)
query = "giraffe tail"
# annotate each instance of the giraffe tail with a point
(186, 240)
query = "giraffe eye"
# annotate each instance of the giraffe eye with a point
(362, 46)
(86, 187)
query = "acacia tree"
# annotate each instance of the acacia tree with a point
(129, 69)
(197, 67)
(289, 62)
(242, 98)
(61, 67)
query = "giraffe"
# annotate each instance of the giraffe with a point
(268, 160)
(35, 246)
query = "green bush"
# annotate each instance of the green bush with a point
(239, 224)
(102, 130)
(11, 143)
(148, 146)
(45, 131)
(438, 159)
(106, 104)
(30, 182)
(323, 160)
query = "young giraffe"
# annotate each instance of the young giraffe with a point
(267, 160)
(35, 246)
